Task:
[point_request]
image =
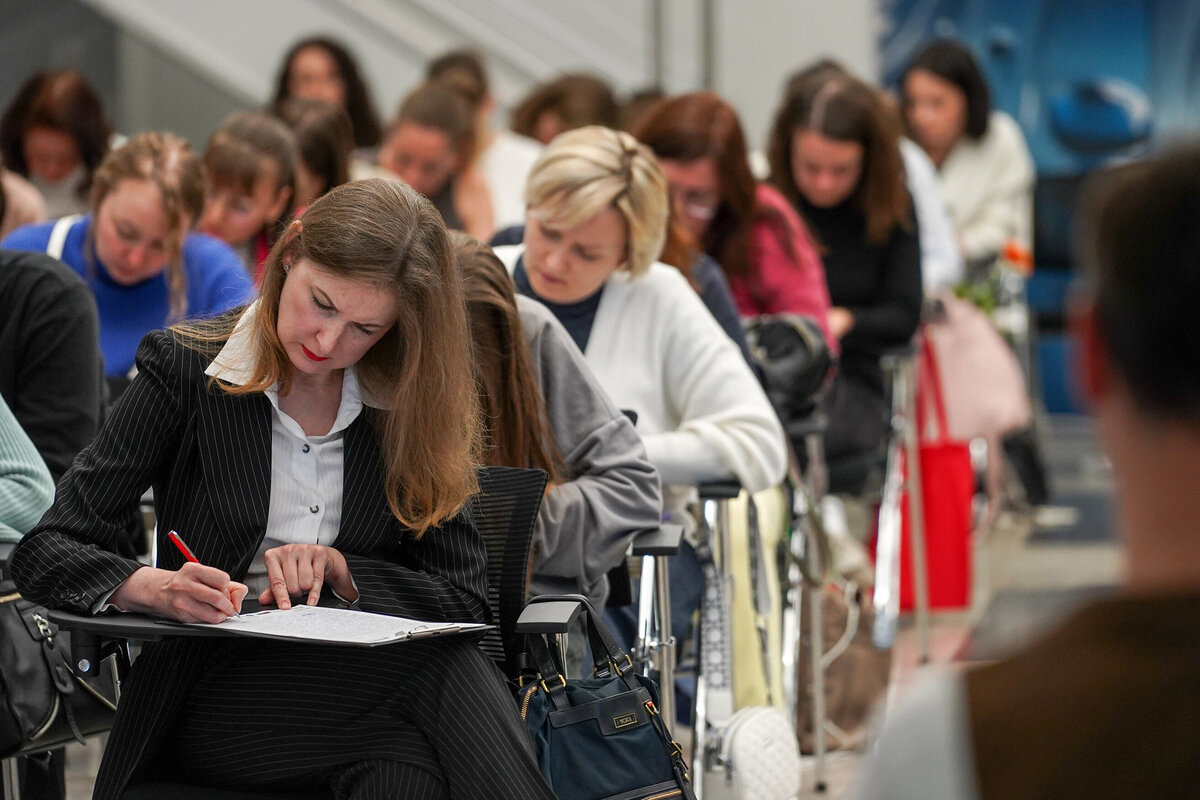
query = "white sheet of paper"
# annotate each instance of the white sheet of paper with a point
(336, 625)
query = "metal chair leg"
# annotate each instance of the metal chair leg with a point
(817, 634)
(916, 507)
(664, 647)
(654, 650)
(12, 784)
(886, 599)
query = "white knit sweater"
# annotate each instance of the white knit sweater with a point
(656, 350)
(988, 189)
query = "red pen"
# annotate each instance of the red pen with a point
(177, 540)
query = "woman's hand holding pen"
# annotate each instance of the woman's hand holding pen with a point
(296, 569)
(194, 593)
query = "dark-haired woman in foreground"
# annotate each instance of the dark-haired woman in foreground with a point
(322, 441)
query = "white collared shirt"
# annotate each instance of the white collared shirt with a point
(306, 471)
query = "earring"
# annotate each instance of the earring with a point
(286, 268)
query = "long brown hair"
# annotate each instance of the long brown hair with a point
(845, 109)
(516, 429)
(359, 106)
(386, 234)
(170, 164)
(699, 125)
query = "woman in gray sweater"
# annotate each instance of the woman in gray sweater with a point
(543, 408)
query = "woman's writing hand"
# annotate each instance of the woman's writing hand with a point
(194, 593)
(298, 568)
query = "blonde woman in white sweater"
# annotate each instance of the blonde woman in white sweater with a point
(598, 208)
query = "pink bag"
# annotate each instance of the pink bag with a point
(981, 381)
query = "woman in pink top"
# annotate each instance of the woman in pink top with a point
(748, 227)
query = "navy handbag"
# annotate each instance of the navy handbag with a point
(601, 738)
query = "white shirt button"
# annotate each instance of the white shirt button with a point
(305, 449)
(314, 508)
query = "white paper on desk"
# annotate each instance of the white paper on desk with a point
(336, 626)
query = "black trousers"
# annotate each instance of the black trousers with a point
(423, 719)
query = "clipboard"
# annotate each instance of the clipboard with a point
(333, 625)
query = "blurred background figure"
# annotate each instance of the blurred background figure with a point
(745, 226)
(633, 109)
(430, 145)
(563, 104)
(320, 68)
(835, 155)
(941, 260)
(324, 139)
(984, 166)
(54, 134)
(137, 251)
(26, 490)
(503, 157)
(250, 177)
(20, 203)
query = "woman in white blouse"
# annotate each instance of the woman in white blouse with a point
(336, 416)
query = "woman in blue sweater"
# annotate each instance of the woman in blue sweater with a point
(136, 249)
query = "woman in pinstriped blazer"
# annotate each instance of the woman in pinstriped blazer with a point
(321, 441)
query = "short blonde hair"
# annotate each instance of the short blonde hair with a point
(584, 171)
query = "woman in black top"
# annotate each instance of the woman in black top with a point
(835, 154)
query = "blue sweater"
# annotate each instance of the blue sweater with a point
(216, 282)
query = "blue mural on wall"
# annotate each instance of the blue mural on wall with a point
(1090, 83)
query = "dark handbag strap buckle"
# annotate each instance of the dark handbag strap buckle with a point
(547, 688)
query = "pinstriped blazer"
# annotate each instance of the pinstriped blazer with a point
(208, 456)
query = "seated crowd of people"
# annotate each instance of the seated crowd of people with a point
(307, 336)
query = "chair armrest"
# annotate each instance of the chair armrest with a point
(90, 635)
(661, 541)
(720, 490)
(552, 616)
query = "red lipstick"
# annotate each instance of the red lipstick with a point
(310, 354)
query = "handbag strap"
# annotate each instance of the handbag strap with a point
(605, 650)
(606, 653)
(929, 389)
(550, 672)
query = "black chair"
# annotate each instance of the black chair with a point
(504, 511)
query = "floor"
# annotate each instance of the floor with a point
(1030, 568)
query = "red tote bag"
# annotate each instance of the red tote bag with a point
(948, 485)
